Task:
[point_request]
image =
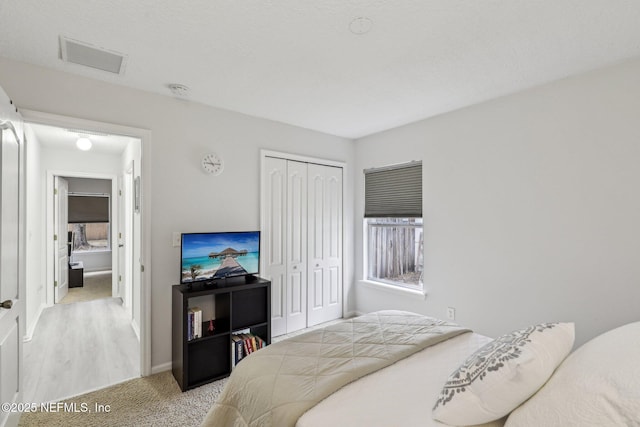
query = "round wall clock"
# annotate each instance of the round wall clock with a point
(212, 163)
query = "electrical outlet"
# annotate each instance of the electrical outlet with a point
(177, 239)
(451, 313)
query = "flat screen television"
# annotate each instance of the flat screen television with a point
(212, 256)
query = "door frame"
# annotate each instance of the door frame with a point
(263, 205)
(57, 203)
(144, 136)
(50, 226)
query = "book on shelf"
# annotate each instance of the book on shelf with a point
(243, 344)
(237, 352)
(194, 323)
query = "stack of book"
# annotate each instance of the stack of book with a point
(243, 344)
(194, 323)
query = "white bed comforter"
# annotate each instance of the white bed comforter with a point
(402, 394)
(275, 386)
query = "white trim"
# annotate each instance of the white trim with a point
(288, 156)
(144, 136)
(29, 335)
(136, 328)
(161, 368)
(398, 290)
(350, 314)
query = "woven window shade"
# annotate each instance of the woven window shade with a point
(394, 191)
(88, 209)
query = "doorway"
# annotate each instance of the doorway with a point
(85, 166)
(83, 220)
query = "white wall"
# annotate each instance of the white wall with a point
(531, 206)
(35, 240)
(183, 198)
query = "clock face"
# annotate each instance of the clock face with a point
(211, 163)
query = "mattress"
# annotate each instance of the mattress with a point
(402, 394)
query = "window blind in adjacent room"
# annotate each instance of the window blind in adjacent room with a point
(88, 209)
(394, 191)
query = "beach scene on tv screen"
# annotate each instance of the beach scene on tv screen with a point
(210, 256)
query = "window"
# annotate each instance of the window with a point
(393, 221)
(395, 247)
(89, 222)
(86, 237)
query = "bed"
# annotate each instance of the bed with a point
(441, 374)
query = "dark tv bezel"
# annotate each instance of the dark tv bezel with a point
(211, 279)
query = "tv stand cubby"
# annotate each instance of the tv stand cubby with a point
(236, 304)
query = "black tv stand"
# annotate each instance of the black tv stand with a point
(238, 303)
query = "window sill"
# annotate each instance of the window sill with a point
(398, 290)
(96, 251)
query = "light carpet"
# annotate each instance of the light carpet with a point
(150, 401)
(96, 285)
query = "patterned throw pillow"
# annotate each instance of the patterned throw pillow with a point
(504, 373)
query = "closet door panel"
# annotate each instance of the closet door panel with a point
(274, 240)
(334, 247)
(316, 289)
(325, 222)
(335, 288)
(296, 219)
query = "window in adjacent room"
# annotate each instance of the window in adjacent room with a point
(393, 222)
(89, 225)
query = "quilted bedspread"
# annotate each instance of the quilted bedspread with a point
(276, 385)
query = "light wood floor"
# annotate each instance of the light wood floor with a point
(80, 347)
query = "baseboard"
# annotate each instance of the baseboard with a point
(29, 335)
(353, 313)
(136, 328)
(161, 368)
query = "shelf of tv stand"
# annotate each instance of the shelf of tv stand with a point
(239, 303)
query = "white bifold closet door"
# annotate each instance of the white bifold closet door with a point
(302, 242)
(324, 206)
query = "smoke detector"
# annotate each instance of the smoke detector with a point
(181, 91)
(361, 25)
(86, 54)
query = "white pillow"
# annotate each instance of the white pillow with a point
(597, 385)
(502, 374)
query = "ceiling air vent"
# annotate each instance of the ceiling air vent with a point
(92, 56)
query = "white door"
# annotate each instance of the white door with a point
(12, 285)
(296, 246)
(325, 244)
(61, 225)
(273, 239)
(284, 242)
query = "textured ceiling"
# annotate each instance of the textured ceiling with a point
(296, 61)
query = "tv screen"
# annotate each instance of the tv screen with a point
(211, 256)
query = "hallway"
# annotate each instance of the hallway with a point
(80, 347)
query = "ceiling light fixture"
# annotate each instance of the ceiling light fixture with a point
(361, 25)
(84, 143)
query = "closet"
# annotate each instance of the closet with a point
(302, 242)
